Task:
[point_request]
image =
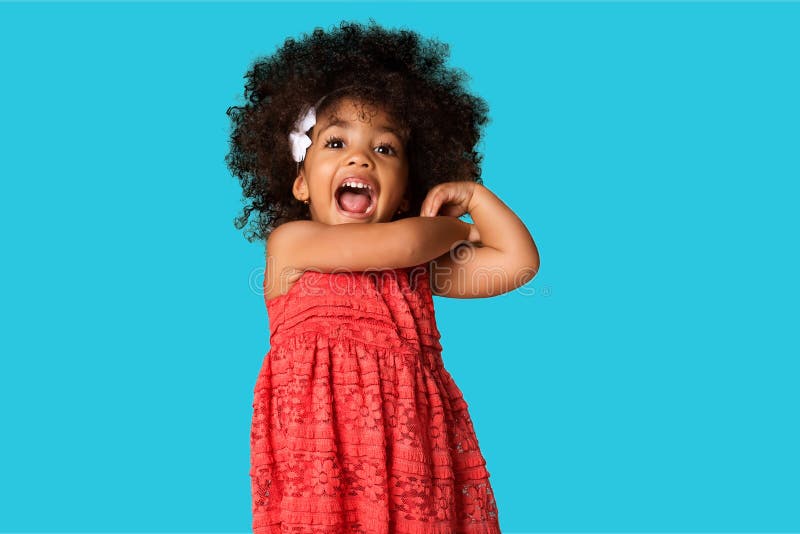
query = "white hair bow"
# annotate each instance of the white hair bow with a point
(298, 138)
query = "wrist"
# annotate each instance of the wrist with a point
(477, 191)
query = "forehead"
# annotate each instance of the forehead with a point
(348, 113)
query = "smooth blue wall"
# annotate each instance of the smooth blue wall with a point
(645, 380)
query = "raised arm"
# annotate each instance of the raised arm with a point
(307, 245)
(501, 229)
(507, 259)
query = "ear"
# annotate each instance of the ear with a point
(300, 188)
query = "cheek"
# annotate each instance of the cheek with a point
(400, 169)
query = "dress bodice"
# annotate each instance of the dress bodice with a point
(396, 303)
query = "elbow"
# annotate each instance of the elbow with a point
(528, 273)
(529, 267)
(533, 260)
(534, 269)
(534, 265)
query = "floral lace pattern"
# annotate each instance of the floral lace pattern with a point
(357, 426)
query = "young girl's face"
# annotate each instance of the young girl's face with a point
(354, 143)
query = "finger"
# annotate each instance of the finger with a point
(423, 210)
(430, 207)
(433, 210)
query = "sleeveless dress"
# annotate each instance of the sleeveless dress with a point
(357, 426)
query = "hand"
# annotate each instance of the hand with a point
(454, 198)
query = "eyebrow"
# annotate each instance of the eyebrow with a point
(336, 121)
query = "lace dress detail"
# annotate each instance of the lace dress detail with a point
(357, 426)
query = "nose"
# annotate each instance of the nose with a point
(360, 156)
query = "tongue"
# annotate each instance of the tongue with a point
(354, 202)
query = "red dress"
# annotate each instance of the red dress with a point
(357, 426)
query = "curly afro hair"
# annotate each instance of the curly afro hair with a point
(398, 70)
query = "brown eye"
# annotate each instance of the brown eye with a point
(389, 148)
(333, 140)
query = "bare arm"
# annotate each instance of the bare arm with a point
(307, 245)
(508, 258)
(501, 229)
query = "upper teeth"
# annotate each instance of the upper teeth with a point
(357, 184)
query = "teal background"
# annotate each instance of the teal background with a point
(646, 380)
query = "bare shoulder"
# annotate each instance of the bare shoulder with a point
(281, 275)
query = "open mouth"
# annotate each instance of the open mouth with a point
(356, 200)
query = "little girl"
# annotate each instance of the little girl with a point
(357, 426)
